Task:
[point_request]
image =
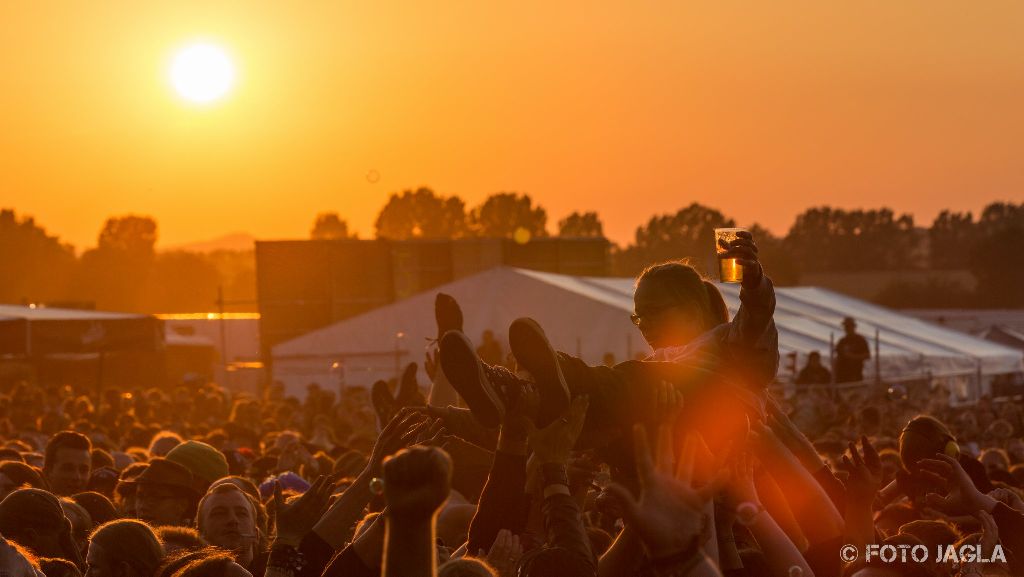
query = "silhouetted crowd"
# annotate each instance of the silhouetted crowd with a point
(679, 464)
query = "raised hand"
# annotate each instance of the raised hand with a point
(1008, 498)
(296, 519)
(390, 439)
(744, 250)
(865, 472)
(504, 554)
(417, 482)
(963, 497)
(741, 488)
(668, 516)
(554, 443)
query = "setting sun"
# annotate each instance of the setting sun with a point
(202, 73)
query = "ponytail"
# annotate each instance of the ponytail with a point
(716, 302)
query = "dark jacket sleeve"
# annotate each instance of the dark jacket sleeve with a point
(501, 501)
(348, 564)
(1011, 534)
(752, 338)
(564, 527)
(317, 554)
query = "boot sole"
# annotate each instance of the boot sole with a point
(532, 350)
(466, 374)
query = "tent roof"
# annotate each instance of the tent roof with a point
(29, 330)
(32, 313)
(589, 316)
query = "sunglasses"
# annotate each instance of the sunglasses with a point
(652, 312)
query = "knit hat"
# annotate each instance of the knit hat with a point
(31, 509)
(206, 463)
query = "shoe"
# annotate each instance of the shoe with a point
(409, 394)
(447, 313)
(534, 353)
(383, 402)
(467, 375)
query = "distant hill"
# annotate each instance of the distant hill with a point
(236, 241)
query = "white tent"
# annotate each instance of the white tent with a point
(589, 317)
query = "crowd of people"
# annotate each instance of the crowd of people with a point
(679, 464)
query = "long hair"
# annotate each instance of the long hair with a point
(684, 282)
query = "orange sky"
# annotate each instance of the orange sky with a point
(629, 108)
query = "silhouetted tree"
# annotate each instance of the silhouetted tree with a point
(34, 266)
(828, 239)
(778, 262)
(422, 213)
(329, 226)
(586, 224)
(131, 235)
(951, 237)
(931, 293)
(689, 233)
(997, 258)
(502, 214)
(115, 275)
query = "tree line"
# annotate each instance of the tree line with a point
(126, 272)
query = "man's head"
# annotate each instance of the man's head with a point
(15, 474)
(814, 359)
(164, 494)
(34, 518)
(227, 518)
(206, 463)
(68, 462)
(163, 442)
(17, 561)
(849, 326)
(81, 522)
(123, 548)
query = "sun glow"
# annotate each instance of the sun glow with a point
(202, 73)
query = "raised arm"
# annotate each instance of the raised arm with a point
(335, 527)
(752, 336)
(818, 517)
(862, 487)
(552, 447)
(779, 551)
(417, 482)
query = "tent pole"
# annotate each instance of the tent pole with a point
(223, 337)
(878, 359)
(978, 378)
(832, 355)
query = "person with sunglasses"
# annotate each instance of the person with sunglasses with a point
(722, 366)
